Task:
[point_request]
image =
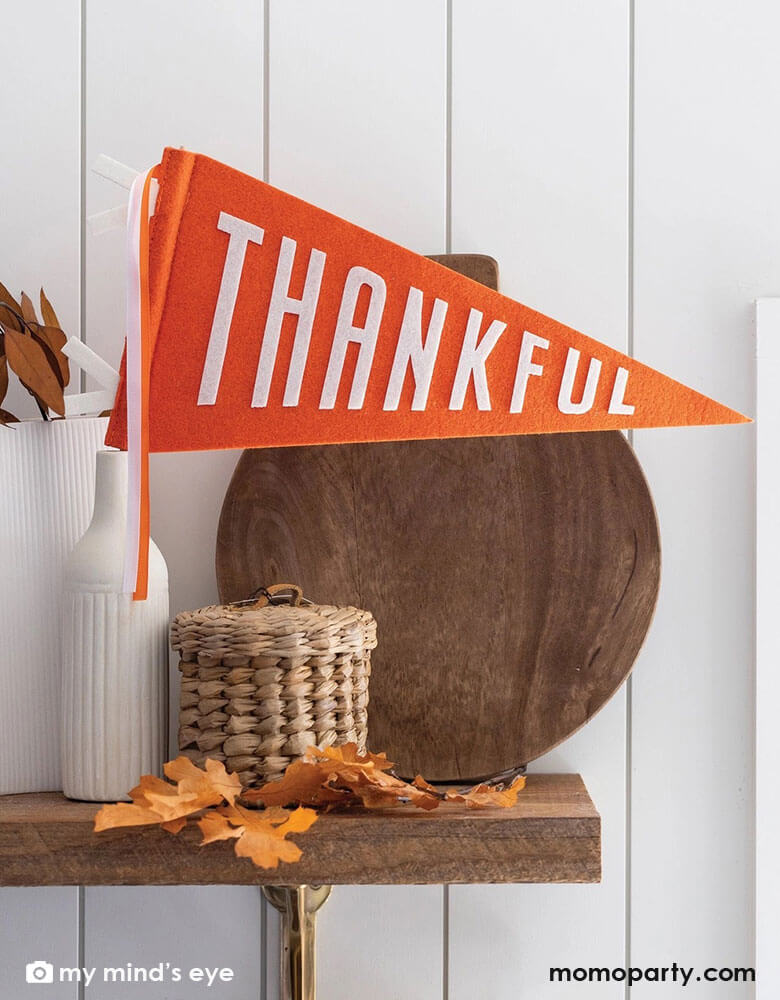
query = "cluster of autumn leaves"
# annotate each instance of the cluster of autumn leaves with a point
(32, 349)
(259, 820)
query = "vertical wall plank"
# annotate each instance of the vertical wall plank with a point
(357, 125)
(767, 880)
(540, 180)
(190, 74)
(357, 99)
(707, 242)
(40, 170)
(182, 928)
(40, 180)
(37, 925)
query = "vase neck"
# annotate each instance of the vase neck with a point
(110, 490)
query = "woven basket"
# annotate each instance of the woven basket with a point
(261, 680)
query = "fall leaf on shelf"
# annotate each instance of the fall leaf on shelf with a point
(342, 775)
(304, 782)
(483, 796)
(259, 834)
(155, 801)
(211, 795)
(329, 777)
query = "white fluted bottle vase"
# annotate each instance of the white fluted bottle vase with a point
(115, 655)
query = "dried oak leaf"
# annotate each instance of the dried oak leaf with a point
(28, 359)
(191, 778)
(348, 754)
(365, 775)
(382, 790)
(302, 782)
(342, 775)
(259, 835)
(3, 374)
(6, 417)
(155, 801)
(483, 796)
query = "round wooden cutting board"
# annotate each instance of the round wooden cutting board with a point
(512, 579)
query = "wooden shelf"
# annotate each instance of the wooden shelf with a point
(553, 834)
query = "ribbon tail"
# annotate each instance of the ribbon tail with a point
(139, 359)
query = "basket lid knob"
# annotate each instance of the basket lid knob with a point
(277, 593)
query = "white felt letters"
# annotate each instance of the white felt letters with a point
(526, 366)
(241, 233)
(471, 364)
(565, 402)
(281, 303)
(347, 332)
(411, 349)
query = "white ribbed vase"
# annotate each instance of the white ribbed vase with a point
(47, 484)
(115, 655)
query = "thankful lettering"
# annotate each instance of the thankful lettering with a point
(416, 348)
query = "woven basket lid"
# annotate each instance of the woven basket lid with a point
(278, 622)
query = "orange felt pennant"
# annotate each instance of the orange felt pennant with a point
(273, 322)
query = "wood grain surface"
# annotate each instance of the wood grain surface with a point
(513, 579)
(553, 834)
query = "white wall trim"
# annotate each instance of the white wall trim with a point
(767, 646)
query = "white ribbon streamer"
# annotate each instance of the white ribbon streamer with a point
(134, 380)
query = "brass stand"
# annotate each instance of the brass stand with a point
(298, 905)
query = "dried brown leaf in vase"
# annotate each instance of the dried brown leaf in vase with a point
(28, 360)
(6, 417)
(48, 314)
(485, 796)
(28, 309)
(55, 339)
(7, 317)
(51, 355)
(3, 375)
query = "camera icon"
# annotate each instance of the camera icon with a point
(40, 972)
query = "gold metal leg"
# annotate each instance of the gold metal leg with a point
(298, 905)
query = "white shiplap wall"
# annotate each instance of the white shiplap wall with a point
(611, 157)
